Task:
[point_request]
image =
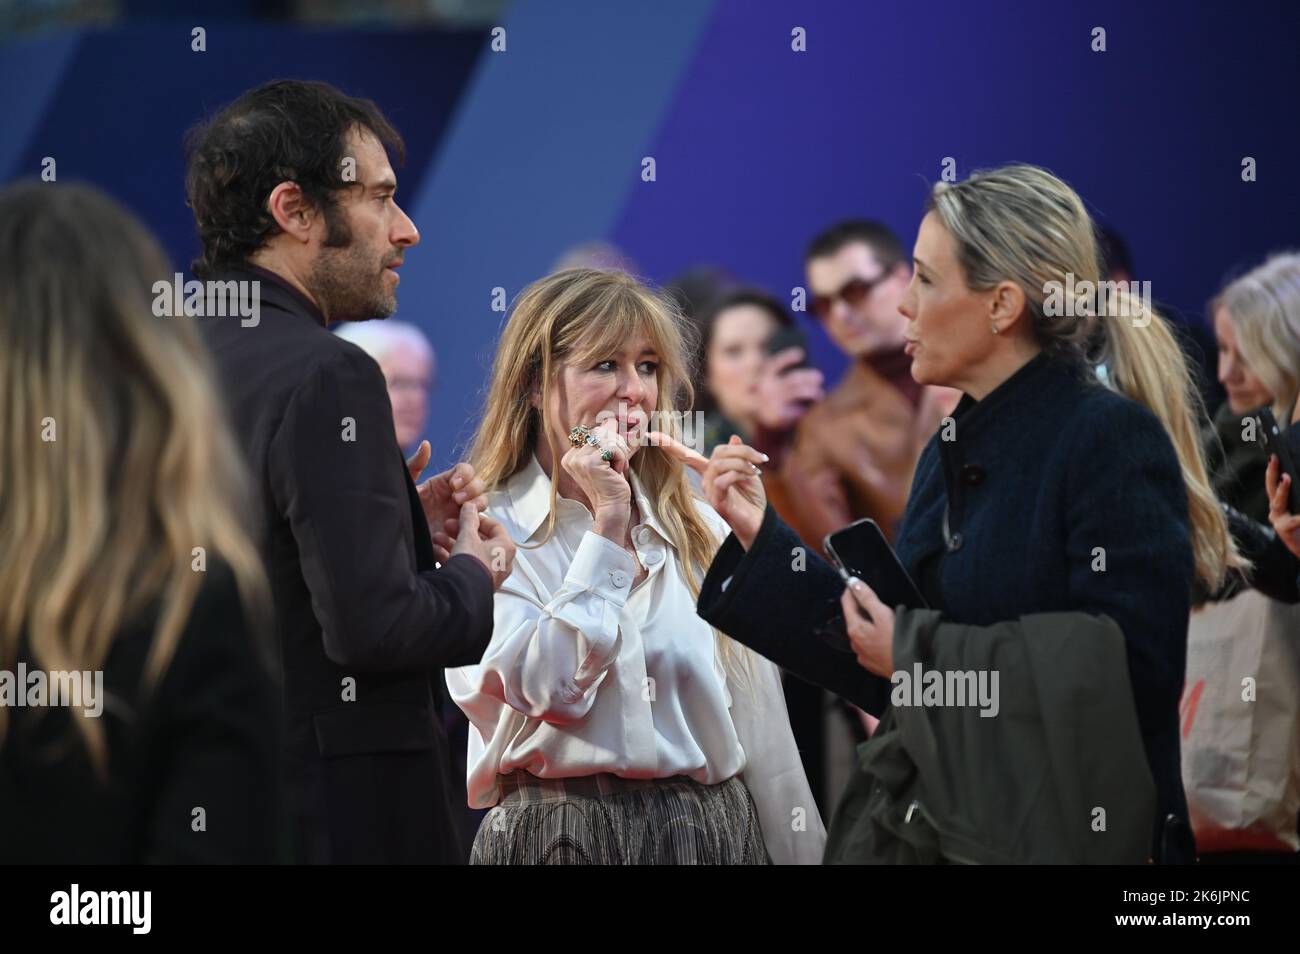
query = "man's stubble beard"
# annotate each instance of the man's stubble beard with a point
(349, 286)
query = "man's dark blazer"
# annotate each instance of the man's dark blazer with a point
(365, 621)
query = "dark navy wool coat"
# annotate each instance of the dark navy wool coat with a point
(1054, 494)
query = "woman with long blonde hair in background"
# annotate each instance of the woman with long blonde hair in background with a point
(128, 577)
(1256, 319)
(608, 723)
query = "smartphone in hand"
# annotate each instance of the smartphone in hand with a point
(784, 339)
(1274, 442)
(861, 550)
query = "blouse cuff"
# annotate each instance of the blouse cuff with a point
(602, 567)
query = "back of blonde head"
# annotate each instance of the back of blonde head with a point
(114, 461)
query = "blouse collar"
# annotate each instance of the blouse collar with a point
(530, 499)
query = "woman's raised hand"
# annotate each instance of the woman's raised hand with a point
(603, 483)
(732, 484)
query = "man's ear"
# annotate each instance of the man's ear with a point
(291, 210)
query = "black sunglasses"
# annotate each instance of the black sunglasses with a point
(853, 292)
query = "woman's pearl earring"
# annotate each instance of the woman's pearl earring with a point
(995, 329)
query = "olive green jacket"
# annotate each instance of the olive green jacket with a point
(1054, 772)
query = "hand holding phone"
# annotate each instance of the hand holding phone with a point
(1275, 444)
(788, 385)
(861, 550)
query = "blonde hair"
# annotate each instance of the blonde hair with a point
(1264, 307)
(581, 315)
(114, 461)
(1022, 224)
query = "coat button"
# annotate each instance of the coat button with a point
(973, 474)
(643, 535)
(618, 578)
(653, 557)
(954, 543)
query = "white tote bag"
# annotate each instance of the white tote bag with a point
(1240, 724)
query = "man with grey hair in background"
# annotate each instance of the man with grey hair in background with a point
(409, 365)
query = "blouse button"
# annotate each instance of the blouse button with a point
(653, 557)
(618, 578)
(973, 474)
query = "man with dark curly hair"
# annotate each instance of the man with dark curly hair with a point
(293, 194)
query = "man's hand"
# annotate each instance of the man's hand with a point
(418, 461)
(479, 536)
(442, 496)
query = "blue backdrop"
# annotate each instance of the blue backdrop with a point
(515, 156)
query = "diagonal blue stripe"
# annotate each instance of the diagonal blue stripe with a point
(31, 72)
(547, 143)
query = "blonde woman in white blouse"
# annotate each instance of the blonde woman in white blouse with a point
(609, 724)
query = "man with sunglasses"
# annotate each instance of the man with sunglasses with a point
(855, 452)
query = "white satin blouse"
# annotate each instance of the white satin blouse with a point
(586, 674)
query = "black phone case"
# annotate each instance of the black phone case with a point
(784, 338)
(833, 629)
(1274, 439)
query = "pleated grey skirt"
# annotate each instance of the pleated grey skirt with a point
(606, 820)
